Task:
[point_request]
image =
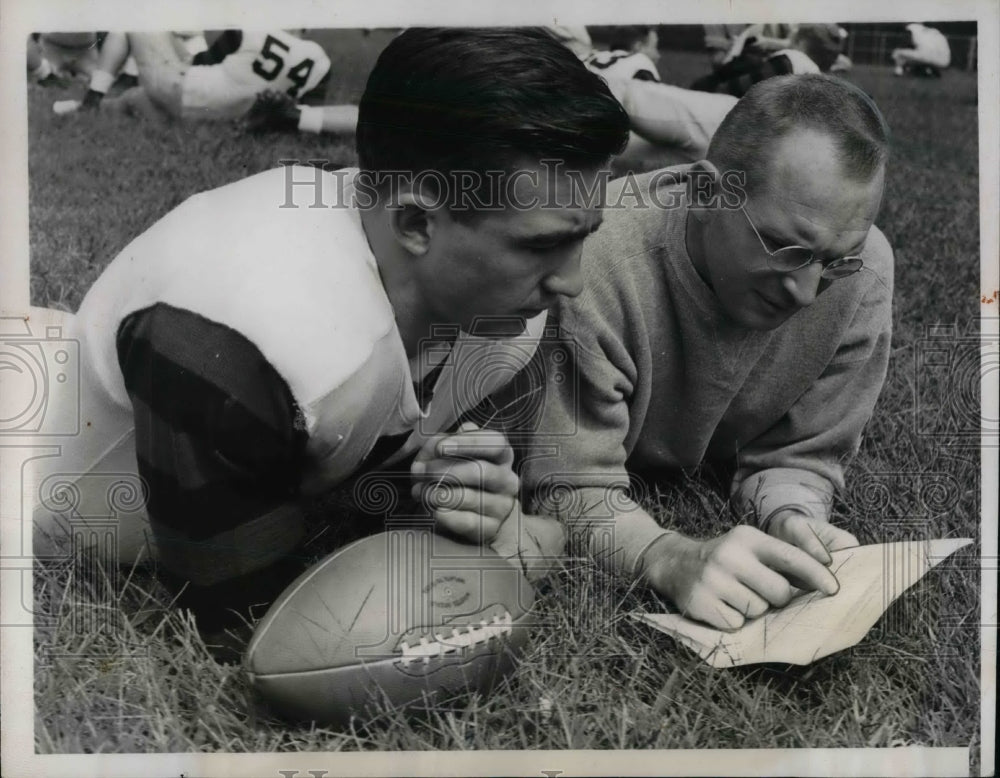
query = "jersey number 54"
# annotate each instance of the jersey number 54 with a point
(271, 64)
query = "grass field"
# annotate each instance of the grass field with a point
(143, 682)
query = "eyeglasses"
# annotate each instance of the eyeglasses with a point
(792, 258)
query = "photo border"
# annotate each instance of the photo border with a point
(20, 18)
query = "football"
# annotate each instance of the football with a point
(406, 616)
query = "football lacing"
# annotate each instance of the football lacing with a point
(443, 645)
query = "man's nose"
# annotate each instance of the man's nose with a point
(567, 280)
(804, 284)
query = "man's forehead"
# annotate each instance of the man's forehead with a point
(553, 222)
(806, 174)
(809, 159)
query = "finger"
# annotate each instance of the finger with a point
(837, 539)
(497, 506)
(429, 449)
(794, 563)
(474, 474)
(468, 525)
(746, 601)
(490, 445)
(730, 590)
(799, 531)
(706, 607)
(773, 587)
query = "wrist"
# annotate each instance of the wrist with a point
(774, 521)
(309, 119)
(660, 558)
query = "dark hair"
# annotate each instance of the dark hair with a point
(772, 108)
(446, 99)
(619, 37)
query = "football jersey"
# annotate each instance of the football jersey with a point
(622, 65)
(276, 60)
(302, 288)
(799, 60)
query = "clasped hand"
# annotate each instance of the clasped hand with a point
(467, 481)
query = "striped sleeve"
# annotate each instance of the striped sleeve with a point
(219, 443)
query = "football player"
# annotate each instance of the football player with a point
(631, 52)
(331, 323)
(219, 83)
(669, 124)
(69, 54)
(809, 48)
(929, 55)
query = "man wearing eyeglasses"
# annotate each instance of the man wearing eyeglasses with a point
(736, 311)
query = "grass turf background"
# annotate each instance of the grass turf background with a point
(143, 682)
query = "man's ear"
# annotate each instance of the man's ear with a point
(703, 187)
(412, 223)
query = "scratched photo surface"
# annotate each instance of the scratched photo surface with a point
(119, 669)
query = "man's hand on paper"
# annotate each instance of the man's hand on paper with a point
(737, 576)
(816, 537)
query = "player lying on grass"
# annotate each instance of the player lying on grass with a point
(219, 83)
(297, 347)
(668, 123)
(725, 320)
(54, 56)
(40, 69)
(809, 48)
(928, 55)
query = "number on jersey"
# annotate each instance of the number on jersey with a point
(270, 64)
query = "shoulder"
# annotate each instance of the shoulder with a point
(879, 260)
(638, 207)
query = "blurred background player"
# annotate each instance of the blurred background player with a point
(624, 52)
(928, 57)
(757, 55)
(616, 53)
(115, 57)
(719, 40)
(576, 38)
(760, 39)
(73, 56)
(219, 83)
(40, 70)
(669, 124)
(68, 54)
